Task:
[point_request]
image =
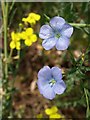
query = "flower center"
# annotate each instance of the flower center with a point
(52, 82)
(57, 35)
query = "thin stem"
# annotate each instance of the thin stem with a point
(48, 18)
(72, 24)
(10, 55)
(87, 102)
(5, 22)
(18, 54)
(79, 25)
(6, 96)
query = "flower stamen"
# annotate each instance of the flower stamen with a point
(57, 35)
(52, 82)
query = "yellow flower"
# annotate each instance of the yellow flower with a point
(28, 36)
(83, 57)
(33, 38)
(28, 42)
(32, 18)
(39, 116)
(23, 35)
(29, 31)
(15, 36)
(20, 25)
(15, 42)
(25, 20)
(55, 115)
(30, 39)
(26, 33)
(52, 110)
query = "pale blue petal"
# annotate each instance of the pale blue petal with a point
(62, 43)
(41, 85)
(67, 30)
(57, 22)
(44, 74)
(59, 87)
(49, 43)
(56, 73)
(48, 92)
(46, 32)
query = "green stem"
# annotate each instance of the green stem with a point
(72, 24)
(79, 25)
(48, 18)
(10, 55)
(18, 54)
(6, 102)
(87, 102)
(5, 22)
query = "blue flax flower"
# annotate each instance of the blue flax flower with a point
(57, 34)
(50, 82)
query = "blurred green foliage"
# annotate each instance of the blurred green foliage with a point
(72, 12)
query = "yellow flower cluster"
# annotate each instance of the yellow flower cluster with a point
(52, 112)
(27, 35)
(32, 18)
